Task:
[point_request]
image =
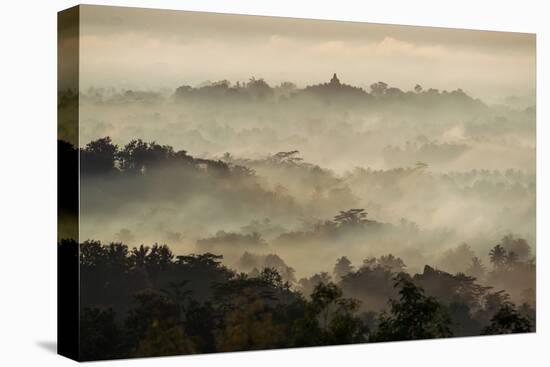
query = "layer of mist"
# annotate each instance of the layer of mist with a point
(250, 167)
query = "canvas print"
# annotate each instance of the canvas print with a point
(236, 183)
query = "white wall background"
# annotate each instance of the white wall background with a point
(28, 182)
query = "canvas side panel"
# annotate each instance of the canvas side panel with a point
(68, 183)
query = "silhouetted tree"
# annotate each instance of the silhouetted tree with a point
(378, 89)
(351, 217)
(248, 325)
(392, 263)
(201, 322)
(518, 246)
(448, 288)
(342, 268)
(138, 256)
(498, 256)
(372, 283)
(414, 316)
(275, 262)
(155, 327)
(259, 89)
(137, 155)
(98, 156)
(308, 284)
(289, 158)
(508, 321)
(329, 319)
(100, 337)
(159, 258)
(162, 339)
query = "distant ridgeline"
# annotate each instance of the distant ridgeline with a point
(258, 90)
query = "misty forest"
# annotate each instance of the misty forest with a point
(231, 216)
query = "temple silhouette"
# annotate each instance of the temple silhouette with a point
(334, 81)
(335, 89)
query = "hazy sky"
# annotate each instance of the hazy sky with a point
(149, 49)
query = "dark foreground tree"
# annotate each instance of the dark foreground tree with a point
(249, 325)
(164, 339)
(414, 316)
(154, 328)
(145, 302)
(100, 336)
(329, 319)
(508, 321)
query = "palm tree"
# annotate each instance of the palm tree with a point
(351, 216)
(138, 256)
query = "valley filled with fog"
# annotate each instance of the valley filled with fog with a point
(232, 183)
(433, 169)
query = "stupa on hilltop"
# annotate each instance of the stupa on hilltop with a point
(335, 89)
(334, 81)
